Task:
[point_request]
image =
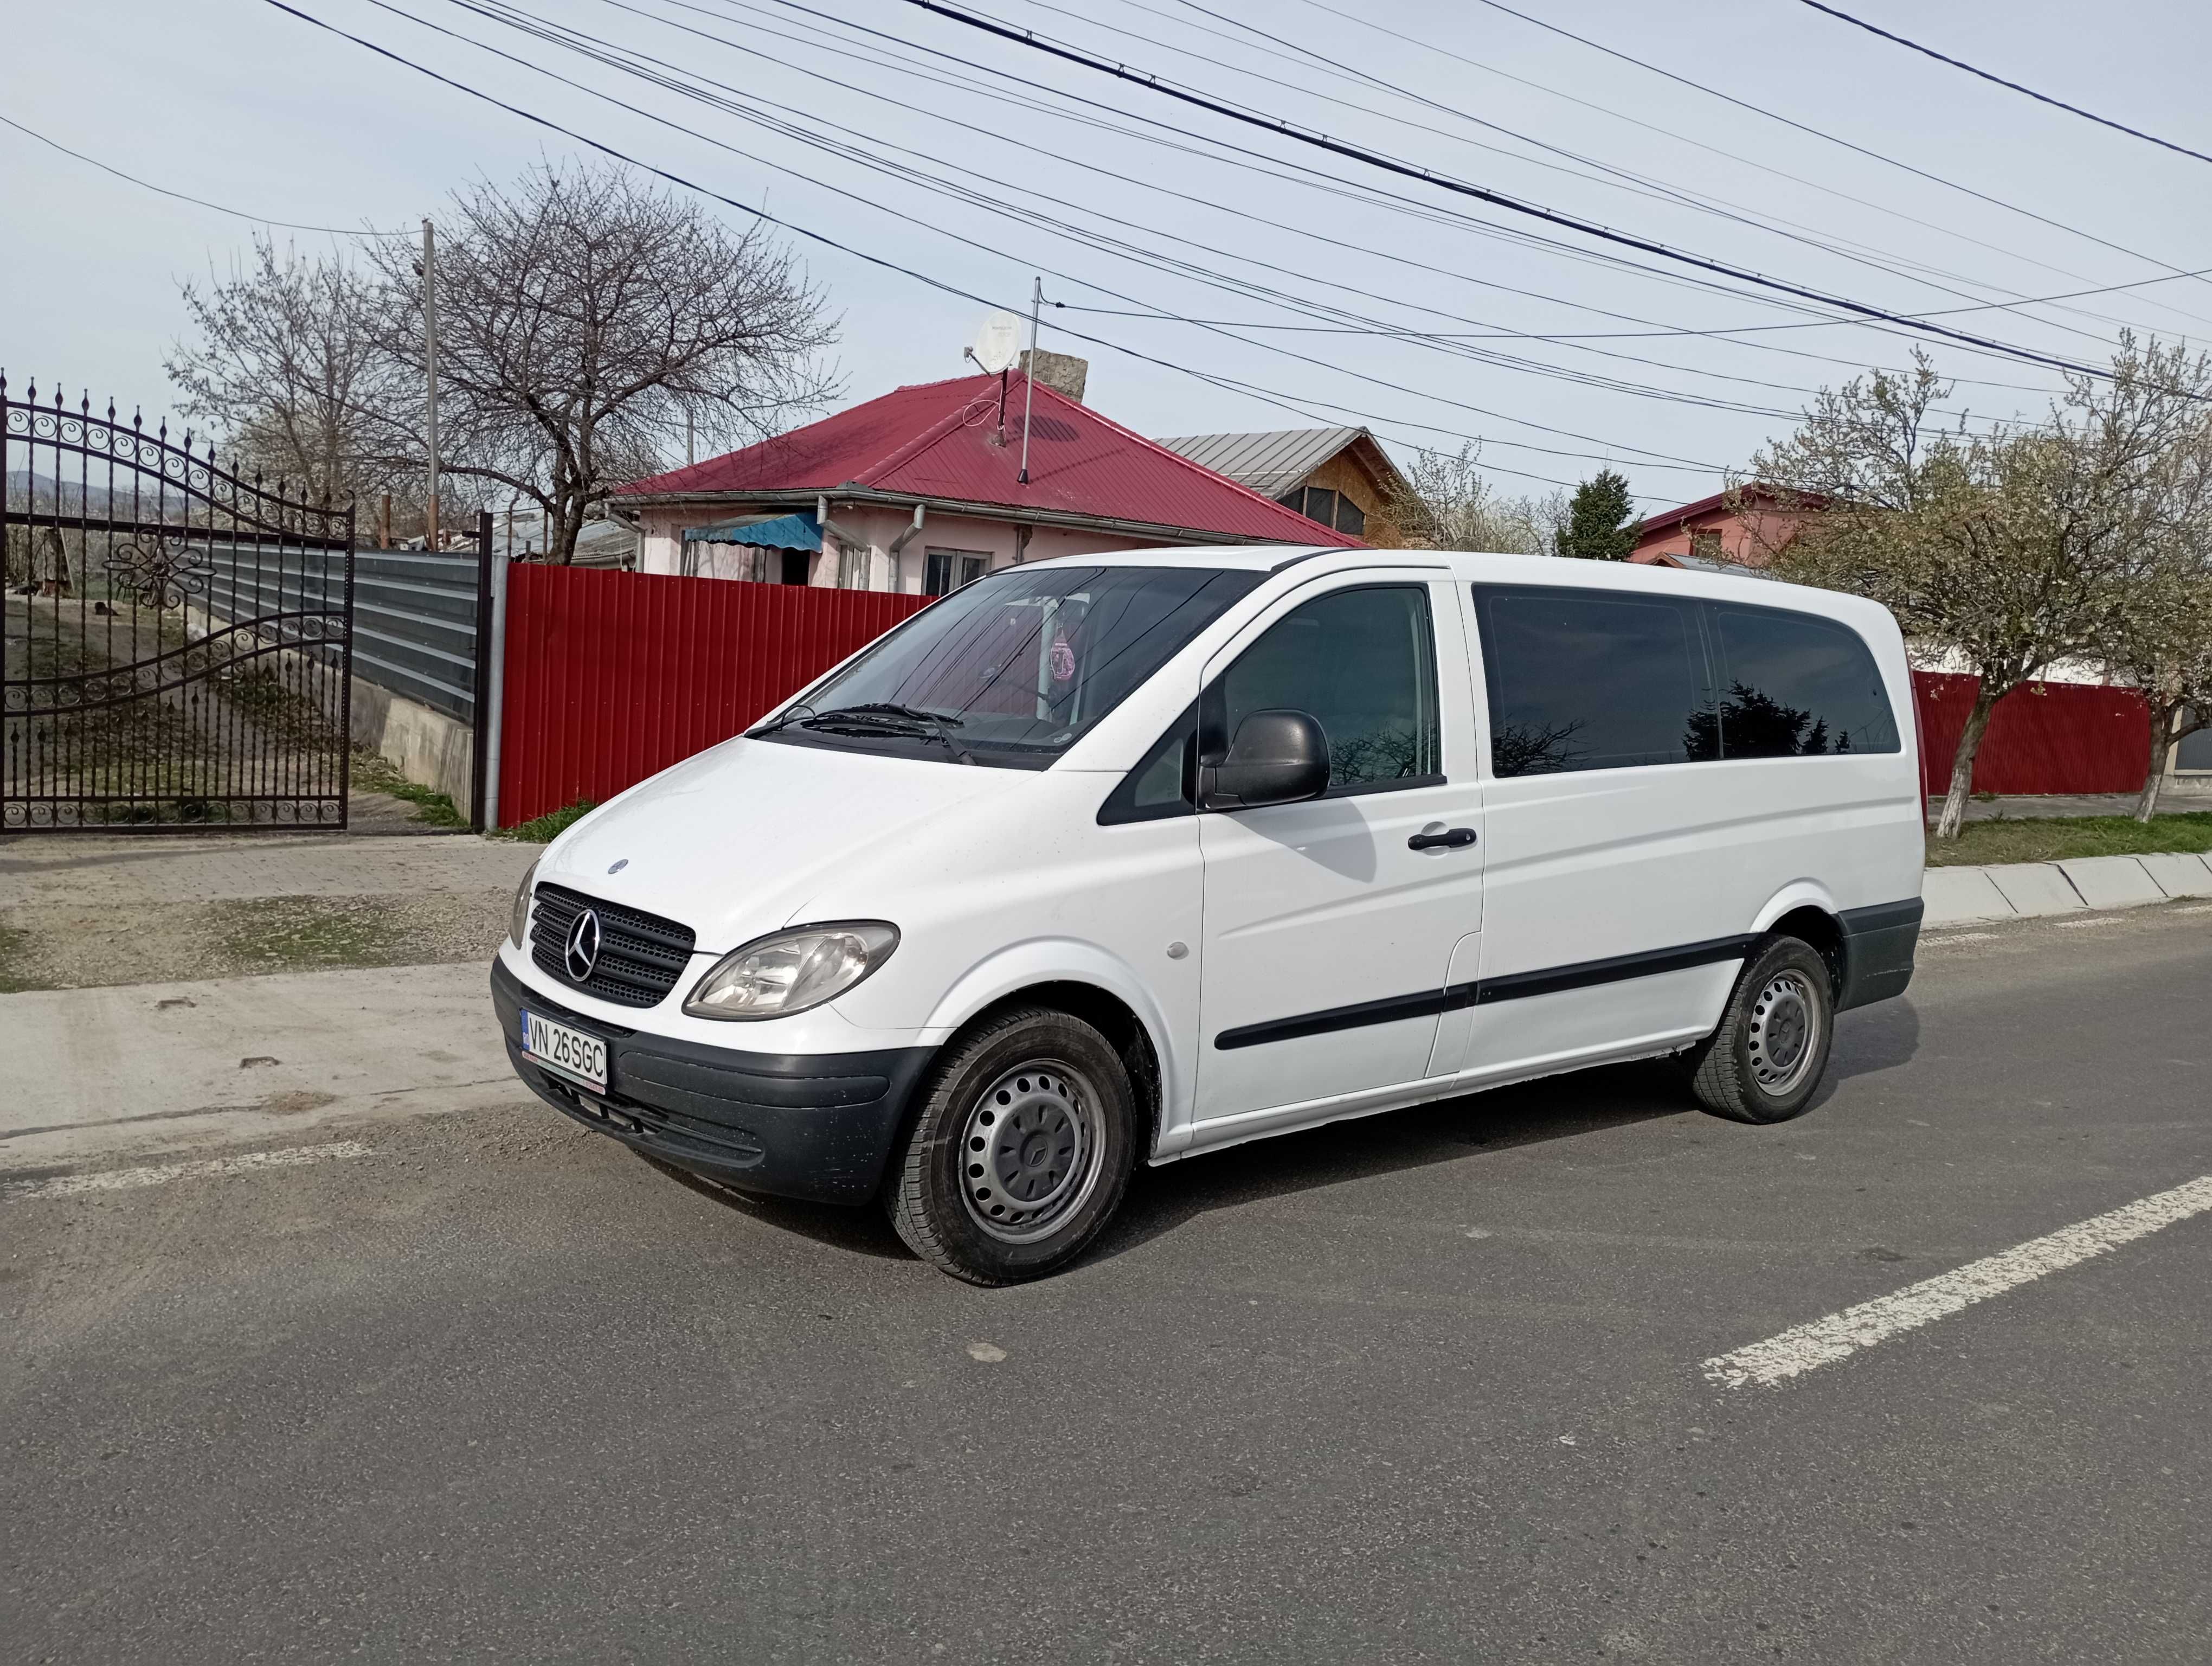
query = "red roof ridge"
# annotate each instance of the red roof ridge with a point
(1178, 458)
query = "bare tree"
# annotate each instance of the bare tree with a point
(2161, 642)
(289, 367)
(2018, 548)
(1448, 504)
(581, 315)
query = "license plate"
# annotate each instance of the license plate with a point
(571, 1052)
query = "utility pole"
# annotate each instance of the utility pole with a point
(431, 369)
(1028, 383)
(690, 448)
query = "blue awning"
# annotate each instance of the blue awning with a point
(792, 532)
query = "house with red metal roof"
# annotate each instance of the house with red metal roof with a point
(932, 485)
(1716, 534)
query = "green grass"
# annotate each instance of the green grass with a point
(2054, 838)
(544, 829)
(374, 772)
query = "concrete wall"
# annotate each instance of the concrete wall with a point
(429, 748)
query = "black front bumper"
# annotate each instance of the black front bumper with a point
(814, 1126)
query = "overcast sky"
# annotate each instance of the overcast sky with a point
(238, 103)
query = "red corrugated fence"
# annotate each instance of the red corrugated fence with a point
(613, 677)
(2043, 737)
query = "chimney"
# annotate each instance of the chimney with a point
(1063, 373)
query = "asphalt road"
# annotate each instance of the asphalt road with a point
(1426, 1387)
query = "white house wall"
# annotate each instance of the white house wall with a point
(996, 540)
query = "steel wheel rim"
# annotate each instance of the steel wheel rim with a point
(1784, 1032)
(1031, 1151)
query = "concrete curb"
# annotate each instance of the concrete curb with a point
(2016, 890)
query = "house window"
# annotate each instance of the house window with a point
(944, 571)
(1331, 508)
(796, 566)
(1706, 545)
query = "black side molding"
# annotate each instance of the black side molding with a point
(1515, 986)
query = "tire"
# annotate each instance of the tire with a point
(1768, 1058)
(1021, 1151)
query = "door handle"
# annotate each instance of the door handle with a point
(1451, 838)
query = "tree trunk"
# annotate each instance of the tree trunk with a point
(2162, 716)
(1962, 762)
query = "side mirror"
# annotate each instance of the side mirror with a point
(1277, 757)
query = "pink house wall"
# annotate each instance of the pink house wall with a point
(999, 541)
(1737, 543)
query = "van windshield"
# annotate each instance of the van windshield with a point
(1013, 669)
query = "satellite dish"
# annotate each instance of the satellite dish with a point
(999, 343)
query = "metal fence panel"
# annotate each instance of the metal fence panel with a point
(611, 676)
(415, 626)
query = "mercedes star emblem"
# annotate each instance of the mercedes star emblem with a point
(583, 944)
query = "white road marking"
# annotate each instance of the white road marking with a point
(1822, 1342)
(124, 1180)
(1966, 936)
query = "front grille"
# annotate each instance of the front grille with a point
(641, 955)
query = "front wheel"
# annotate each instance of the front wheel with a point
(1021, 1151)
(1766, 1062)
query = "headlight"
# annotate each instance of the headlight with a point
(789, 971)
(517, 922)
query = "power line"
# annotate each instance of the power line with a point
(1680, 137)
(1831, 138)
(1622, 179)
(198, 202)
(1614, 178)
(1450, 341)
(1331, 184)
(1496, 198)
(1282, 401)
(2029, 91)
(837, 145)
(613, 57)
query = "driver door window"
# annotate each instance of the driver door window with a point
(1361, 661)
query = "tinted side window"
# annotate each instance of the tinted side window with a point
(1363, 663)
(1796, 686)
(1586, 680)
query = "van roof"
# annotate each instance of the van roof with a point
(1313, 560)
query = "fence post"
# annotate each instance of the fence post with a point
(480, 700)
(496, 707)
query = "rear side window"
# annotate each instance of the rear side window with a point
(1581, 679)
(1363, 663)
(1796, 686)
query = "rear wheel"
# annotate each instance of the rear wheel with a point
(1766, 1062)
(1021, 1151)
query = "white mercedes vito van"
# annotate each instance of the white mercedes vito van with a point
(1130, 857)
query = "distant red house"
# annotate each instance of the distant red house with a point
(921, 490)
(1708, 534)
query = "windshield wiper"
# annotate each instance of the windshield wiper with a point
(884, 718)
(884, 708)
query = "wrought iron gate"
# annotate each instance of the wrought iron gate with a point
(176, 650)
